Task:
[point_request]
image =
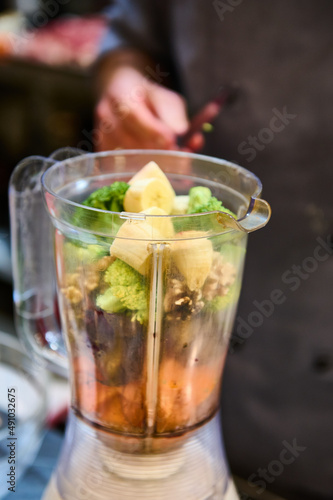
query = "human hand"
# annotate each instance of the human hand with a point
(136, 113)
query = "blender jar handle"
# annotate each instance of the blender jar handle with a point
(35, 296)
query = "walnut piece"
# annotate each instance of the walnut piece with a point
(85, 280)
(73, 294)
(180, 301)
(220, 278)
(103, 263)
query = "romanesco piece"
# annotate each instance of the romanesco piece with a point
(128, 287)
(109, 302)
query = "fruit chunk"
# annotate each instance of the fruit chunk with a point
(147, 193)
(182, 391)
(133, 403)
(136, 198)
(161, 224)
(193, 257)
(149, 171)
(132, 244)
(180, 204)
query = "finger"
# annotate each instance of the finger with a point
(195, 142)
(148, 129)
(170, 107)
(138, 120)
(109, 132)
(130, 106)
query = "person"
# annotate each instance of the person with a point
(160, 63)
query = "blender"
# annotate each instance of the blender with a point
(137, 308)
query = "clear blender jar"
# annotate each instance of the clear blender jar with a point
(146, 305)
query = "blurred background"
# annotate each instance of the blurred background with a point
(47, 53)
(47, 49)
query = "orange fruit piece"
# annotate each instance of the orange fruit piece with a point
(181, 390)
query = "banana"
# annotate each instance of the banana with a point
(149, 171)
(163, 197)
(193, 257)
(132, 244)
(162, 224)
(180, 204)
(146, 193)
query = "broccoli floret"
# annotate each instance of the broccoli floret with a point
(108, 197)
(128, 290)
(212, 205)
(199, 196)
(201, 200)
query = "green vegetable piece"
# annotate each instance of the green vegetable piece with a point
(207, 127)
(219, 302)
(201, 200)
(212, 205)
(78, 254)
(128, 287)
(109, 303)
(199, 196)
(109, 198)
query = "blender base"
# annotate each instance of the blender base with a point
(51, 493)
(89, 469)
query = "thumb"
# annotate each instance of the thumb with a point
(170, 107)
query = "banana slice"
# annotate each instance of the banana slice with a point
(162, 224)
(193, 257)
(148, 172)
(147, 193)
(132, 244)
(180, 204)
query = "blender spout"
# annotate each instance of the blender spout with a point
(257, 216)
